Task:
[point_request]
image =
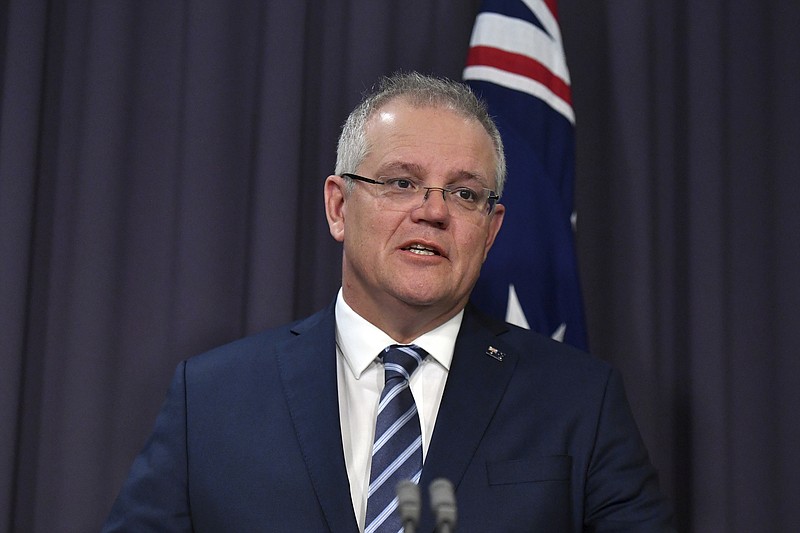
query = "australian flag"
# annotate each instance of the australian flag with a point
(516, 64)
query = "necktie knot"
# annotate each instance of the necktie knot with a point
(400, 360)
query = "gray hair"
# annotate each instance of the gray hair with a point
(420, 91)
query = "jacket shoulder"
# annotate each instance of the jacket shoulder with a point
(259, 346)
(537, 349)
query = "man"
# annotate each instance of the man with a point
(277, 432)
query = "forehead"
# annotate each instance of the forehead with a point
(436, 139)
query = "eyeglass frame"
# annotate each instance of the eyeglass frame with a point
(491, 200)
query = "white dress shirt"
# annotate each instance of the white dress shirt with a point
(360, 381)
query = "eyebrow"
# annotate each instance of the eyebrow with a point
(409, 168)
(414, 169)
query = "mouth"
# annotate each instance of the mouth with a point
(420, 249)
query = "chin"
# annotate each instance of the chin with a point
(425, 298)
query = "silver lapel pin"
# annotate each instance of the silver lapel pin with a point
(493, 352)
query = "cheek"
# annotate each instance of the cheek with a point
(473, 254)
(379, 229)
(370, 237)
(473, 244)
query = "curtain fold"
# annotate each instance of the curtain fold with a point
(23, 31)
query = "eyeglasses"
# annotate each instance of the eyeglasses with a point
(406, 193)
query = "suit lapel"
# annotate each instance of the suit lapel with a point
(475, 385)
(307, 366)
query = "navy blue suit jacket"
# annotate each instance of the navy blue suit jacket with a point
(538, 437)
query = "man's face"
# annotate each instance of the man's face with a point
(426, 257)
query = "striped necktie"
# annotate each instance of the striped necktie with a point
(397, 451)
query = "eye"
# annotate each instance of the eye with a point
(400, 184)
(466, 194)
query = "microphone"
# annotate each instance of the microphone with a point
(408, 504)
(443, 504)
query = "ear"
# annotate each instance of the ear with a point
(495, 222)
(334, 205)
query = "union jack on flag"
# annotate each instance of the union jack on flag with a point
(516, 64)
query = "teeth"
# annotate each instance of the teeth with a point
(420, 250)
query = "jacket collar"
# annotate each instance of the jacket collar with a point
(482, 367)
(307, 368)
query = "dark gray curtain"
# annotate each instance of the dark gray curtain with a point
(688, 142)
(161, 169)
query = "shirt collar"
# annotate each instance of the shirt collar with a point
(360, 341)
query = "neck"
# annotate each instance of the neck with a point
(401, 321)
